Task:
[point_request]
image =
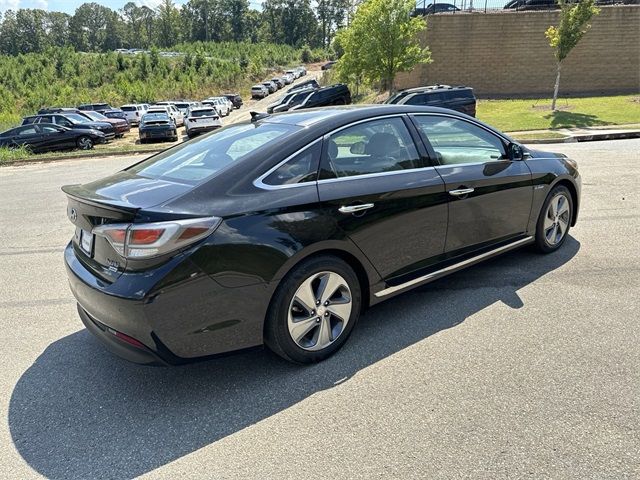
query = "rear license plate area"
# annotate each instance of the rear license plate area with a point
(86, 241)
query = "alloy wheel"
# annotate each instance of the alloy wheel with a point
(319, 311)
(556, 219)
(85, 143)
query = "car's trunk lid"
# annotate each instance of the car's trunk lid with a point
(115, 199)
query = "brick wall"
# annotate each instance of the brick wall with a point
(507, 54)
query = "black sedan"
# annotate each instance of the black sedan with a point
(283, 230)
(43, 137)
(74, 121)
(157, 126)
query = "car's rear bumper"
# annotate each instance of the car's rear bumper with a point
(157, 134)
(117, 344)
(171, 315)
(197, 130)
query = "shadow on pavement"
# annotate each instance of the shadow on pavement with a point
(79, 412)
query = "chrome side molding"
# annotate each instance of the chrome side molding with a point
(455, 267)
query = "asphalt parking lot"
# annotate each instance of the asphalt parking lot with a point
(527, 366)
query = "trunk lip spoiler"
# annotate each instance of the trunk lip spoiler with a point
(110, 204)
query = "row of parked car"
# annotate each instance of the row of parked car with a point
(264, 89)
(59, 128)
(82, 127)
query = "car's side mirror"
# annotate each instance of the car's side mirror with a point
(515, 152)
(357, 148)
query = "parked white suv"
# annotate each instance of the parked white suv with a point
(133, 112)
(173, 112)
(259, 91)
(222, 104)
(200, 120)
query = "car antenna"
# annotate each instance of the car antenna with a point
(255, 116)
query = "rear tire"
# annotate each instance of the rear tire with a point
(304, 333)
(554, 220)
(84, 143)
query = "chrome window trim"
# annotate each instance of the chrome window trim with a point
(365, 120)
(469, 164)
(376, 174)
(259, 183)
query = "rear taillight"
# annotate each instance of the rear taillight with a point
(146, 240)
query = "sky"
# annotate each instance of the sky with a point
(69, 6)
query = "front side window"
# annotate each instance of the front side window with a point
(49, 129)
(383, 145)
(193, 162)
(457, 141)
(301, 168)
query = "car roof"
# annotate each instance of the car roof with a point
(335, 116)
(434, 88)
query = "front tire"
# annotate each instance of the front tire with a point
(554, 220)
(85, 143)
(314, 310)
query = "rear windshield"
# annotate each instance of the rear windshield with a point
(95, 115)
(155, 117)
(182, 105)
(195, 161)
(128, 109)
(203, 113)
(396, 98)
(76, 118)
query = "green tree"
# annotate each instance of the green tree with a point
(289, 21)
(332, 14)
(381, 41)
(135, 35)
(167, 24)
(58, 28)
(94, 27)
(574, 23)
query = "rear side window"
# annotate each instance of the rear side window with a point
(383, 145)
(426, 98)
(301, 168)
(193, 162)
(27, 131)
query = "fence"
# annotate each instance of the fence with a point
(428, 7)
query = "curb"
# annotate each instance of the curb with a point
(593, 137)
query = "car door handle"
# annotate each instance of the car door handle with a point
(355, 208)
(460, 192)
